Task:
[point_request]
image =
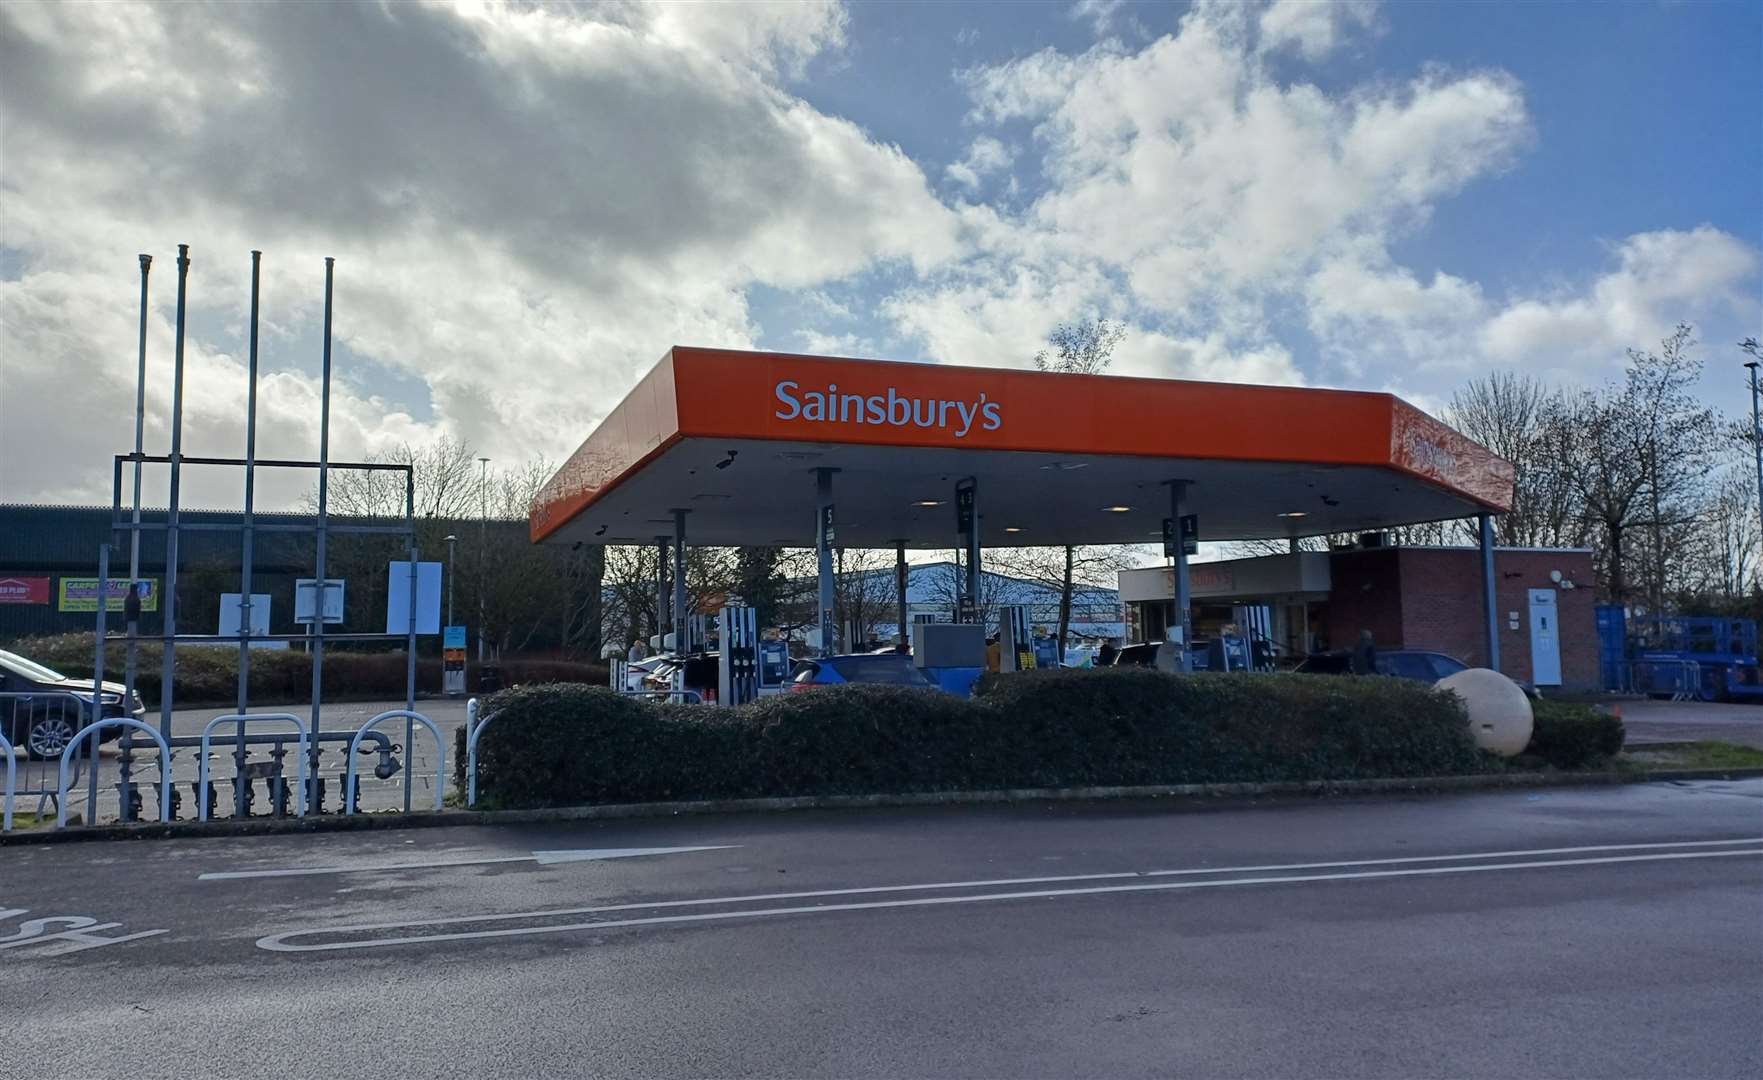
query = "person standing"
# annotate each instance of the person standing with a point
(636, 651)
(1106, 657)
(1365, 655)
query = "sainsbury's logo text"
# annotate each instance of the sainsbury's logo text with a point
(891, 409)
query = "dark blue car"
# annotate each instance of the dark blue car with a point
(891, 668)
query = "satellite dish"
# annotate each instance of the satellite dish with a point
(1555, 576)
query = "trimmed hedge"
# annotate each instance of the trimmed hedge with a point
(564, 745)
(209, 674)
(1570, 736)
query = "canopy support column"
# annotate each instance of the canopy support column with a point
(967, 523)
(1487, 590)
(681, 633)
(823, 551)
(661, 603)
(1183, 624)
(900, 593)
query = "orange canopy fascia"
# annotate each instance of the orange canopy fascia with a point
(698, 393)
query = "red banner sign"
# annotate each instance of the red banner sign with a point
(24, 590)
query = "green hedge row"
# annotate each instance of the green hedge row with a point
(1570, 736)
(563, 745)
(209, 674)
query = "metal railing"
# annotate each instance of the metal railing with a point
(41, 724)
(11, 782)
(474, 727)
(689, 697)
(366, 730)
(240, 769)
(92, 729)
(1682, 679)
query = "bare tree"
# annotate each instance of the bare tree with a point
(1635, 456)
(1515, 416)
(444, 476)
(1081, 348)
(863, 590)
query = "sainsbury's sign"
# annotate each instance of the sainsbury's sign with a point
(892, 409)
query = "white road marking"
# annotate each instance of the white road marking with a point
(80, 933)
(280, 942)
(1052, 880)
(543, 858)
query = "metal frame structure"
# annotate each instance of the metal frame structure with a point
(315, 636)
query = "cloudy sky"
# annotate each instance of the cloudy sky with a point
(529, 204)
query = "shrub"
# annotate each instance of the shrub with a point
(209, 674)
(1571, 736)
(558, 745)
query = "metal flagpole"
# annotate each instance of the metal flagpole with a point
(140, 429)
(169, 602)
(240, 781)
(319, 591)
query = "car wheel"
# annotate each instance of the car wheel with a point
(48, 735)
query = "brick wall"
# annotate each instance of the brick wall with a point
(1365, 593)
(1441, 607)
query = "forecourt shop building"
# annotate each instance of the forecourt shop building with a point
(725, 448)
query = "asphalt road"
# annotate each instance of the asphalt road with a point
(1651, 721)
(1573, 932)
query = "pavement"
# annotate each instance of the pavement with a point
(447, 714)
(1607, 932)
(1649, 721)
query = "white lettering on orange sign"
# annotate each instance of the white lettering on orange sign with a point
(890, 409)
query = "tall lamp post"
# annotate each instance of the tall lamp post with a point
(483, 544)
(1756, 426)
(450, 539)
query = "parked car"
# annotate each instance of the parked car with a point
(1417, 664)
(41, 719)
(890, 667)
(699, 674)
(1144, 654)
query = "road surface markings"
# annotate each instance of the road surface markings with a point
(543, 858)
(283, 942)
(78, 933)
(1061, 878)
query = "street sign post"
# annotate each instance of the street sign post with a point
(306, 589)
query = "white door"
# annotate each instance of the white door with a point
(1545, 639)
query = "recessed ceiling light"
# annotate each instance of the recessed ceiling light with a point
(1011, 528)
(1116, 509)
(1293, 513)
(928, 502)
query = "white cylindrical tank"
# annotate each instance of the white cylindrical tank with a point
(1499, 713)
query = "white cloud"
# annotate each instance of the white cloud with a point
(1373, 314)
(985, 156)
(1189, 189)
(1211, 358)
(528, 204)
(1100, 13)
(1313, 27)
(1660, 279)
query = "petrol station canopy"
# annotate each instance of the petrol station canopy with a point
(736, 439)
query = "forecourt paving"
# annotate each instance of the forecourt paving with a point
(1610, 932)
